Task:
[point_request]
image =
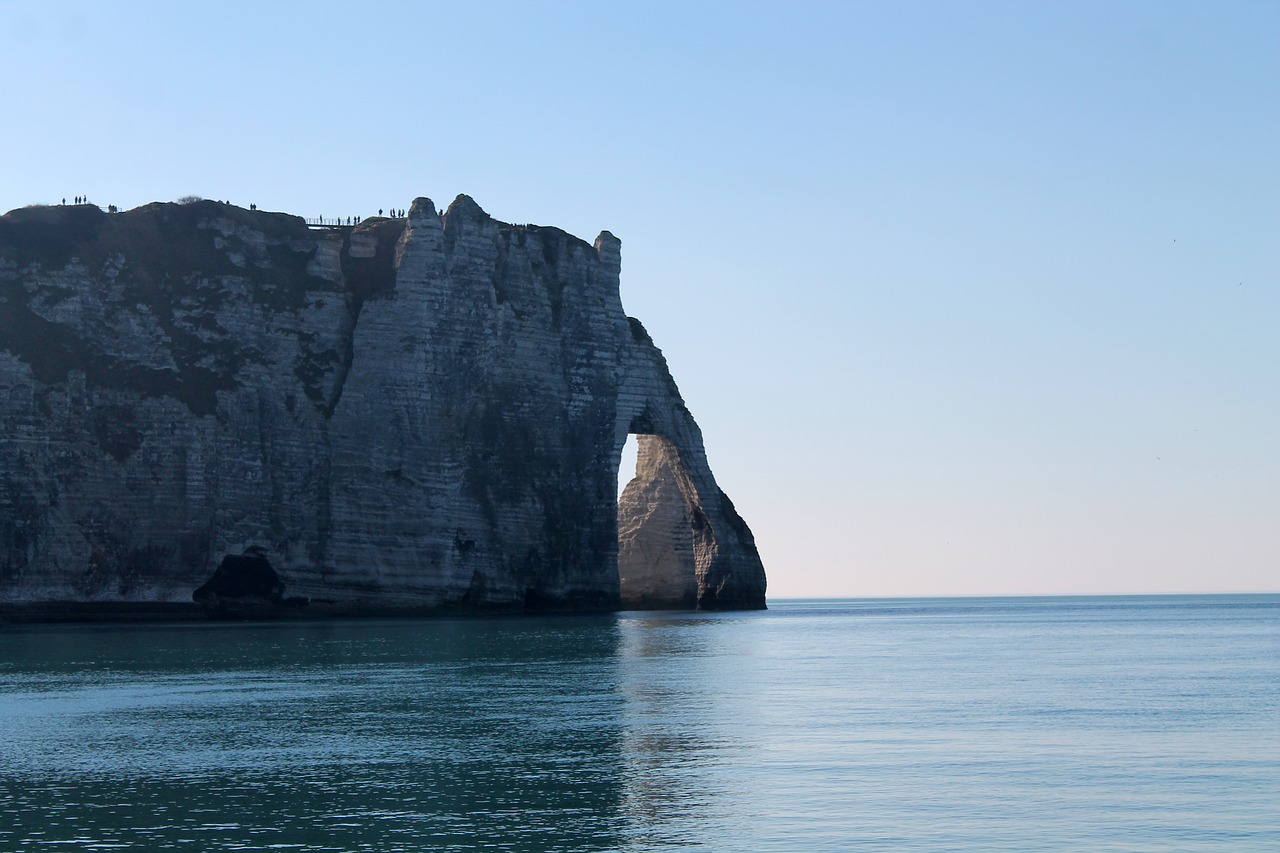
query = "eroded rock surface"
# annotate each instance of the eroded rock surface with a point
(410, 415)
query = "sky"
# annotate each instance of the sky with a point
(968, 298)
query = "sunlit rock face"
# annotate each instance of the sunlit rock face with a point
(411, 415)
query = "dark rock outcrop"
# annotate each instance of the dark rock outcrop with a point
(411, 415)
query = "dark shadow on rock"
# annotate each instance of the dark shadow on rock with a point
(245, 587)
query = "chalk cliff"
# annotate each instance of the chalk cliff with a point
(206, 405)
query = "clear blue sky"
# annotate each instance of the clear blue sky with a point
(968, 298)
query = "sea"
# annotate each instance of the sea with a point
(1145, 723)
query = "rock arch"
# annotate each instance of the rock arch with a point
(418, 415)
(681, 543)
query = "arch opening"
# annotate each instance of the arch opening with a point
(657, 563)
(627, 467)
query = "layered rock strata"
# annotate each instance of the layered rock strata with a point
(200, 403)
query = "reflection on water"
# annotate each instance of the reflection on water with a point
(672, 741)
(327, 736)
(927, 724)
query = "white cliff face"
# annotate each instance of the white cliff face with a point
(408, 416)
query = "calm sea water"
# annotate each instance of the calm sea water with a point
(1127, 724)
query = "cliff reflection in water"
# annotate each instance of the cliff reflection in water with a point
(502, 733)
(924, 724)
(676, 736)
